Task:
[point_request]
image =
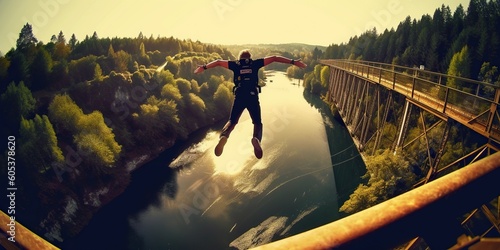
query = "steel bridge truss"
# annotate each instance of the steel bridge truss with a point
(371, 99)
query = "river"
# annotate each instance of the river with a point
(190, 199)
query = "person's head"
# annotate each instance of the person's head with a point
(244, 54)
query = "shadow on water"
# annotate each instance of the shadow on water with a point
(348, 166)
(109, 227)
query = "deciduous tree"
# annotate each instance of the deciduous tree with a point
(388, 175)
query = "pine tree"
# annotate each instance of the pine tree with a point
(62, 50)
(39, 148)
(21, 104)
(73, 41)
(26, 37)
(61, 38)
(41, 69)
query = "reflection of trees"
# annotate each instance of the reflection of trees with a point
(347, 166)
(148, 184)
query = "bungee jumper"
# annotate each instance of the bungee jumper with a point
(246, 93)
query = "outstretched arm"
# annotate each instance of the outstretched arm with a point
(282, 59)
(212, 64)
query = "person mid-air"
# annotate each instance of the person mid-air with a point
(246, 93)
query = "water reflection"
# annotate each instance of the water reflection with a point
(251, 201)
(200, 201)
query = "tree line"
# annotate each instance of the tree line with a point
(434, 40)
(84, 110)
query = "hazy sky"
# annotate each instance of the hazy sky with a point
(316, 22)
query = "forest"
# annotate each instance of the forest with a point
(433, 41)
(461, 43)
(86, 113)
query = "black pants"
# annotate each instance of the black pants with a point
(245, 99)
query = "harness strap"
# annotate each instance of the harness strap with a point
(235, 87)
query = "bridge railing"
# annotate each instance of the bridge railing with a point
(429, 212)
(472, 102)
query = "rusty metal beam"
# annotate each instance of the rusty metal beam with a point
(424, 211)
(24, 238)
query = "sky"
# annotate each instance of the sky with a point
(315, 22)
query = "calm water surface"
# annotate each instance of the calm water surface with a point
(191, 199)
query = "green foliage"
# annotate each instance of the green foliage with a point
(459, 65)
(389, 130)
(489, 74)
(432, 40)
(183, 85)
(294, 72)
(96, 138)
(4, 67)
(20, 103)
(38, 145)
(18, 69)
(41, 68)
(157, 118)
(123, 61)
(82, 69)
(90, 133)
(72, 42)
(388, 176)
(223, 98)
(142, 50)
(197, 107)
(170, 92)
(325, 76)
(61, 50)
(98, 73)
(213, 84)
(143, 58)
(162, 78)
(316, 82)
(26, 37)
(195, 87)
(458, 145)
(60, 75)
(64, 112)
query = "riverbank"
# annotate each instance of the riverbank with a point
(235, 198)
(70, 218)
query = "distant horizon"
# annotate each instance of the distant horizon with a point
(220, 22)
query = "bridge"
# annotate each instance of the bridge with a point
(455, 205)
(364, 91)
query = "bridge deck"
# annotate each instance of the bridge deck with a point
(476, 112)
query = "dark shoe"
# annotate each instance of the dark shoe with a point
(220, 146)
(257, 149)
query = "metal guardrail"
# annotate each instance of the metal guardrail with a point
(473, 103)
(430, 212)
(24, 238)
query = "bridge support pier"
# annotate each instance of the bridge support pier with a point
(403, 126)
